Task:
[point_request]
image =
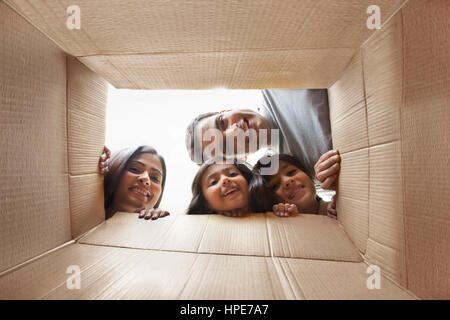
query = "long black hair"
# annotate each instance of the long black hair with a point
(117, 166)
(199, 205)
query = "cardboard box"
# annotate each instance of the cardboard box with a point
(389, 109)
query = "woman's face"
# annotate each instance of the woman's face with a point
(292, 185)
(140, 186)
(224, 187)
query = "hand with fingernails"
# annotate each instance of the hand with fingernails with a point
(284, 209)
(104, 161)
(331, 209)
(153, 213)
(327, 169)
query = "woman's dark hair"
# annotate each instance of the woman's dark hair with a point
(117, 166)
(263, 192)
(199, 205)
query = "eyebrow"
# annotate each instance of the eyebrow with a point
(225, 169)
(143, 164)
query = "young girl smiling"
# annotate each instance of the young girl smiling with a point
(294, 190)
(224, 188)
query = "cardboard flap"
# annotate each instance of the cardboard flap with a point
(300, 236)
(208, 44)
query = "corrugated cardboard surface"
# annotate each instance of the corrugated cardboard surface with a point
(348, 110)
(301, 236)
(406, 79)
(425, 118)
(205, 44)
(86, 105)
(34, 201)
(124, 273)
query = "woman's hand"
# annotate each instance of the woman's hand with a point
(231, 213)
(103, 161)
(152, 213)
(331, 209)
(327, 169)
(284, 209)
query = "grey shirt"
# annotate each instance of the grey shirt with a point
(302, 116)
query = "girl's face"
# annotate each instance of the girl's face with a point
(140, 186)
(292, 185)
(224, 187)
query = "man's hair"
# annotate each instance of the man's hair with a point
(191, 136)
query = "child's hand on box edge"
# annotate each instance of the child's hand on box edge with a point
(331, 209)
(152, 213)
(104, 161)
(327, 169)
(284, 209)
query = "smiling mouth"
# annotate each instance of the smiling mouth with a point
(298, 190)
(142, 192)
(230, 192)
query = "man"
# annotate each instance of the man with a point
(300, 115)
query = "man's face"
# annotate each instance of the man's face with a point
(228, 123)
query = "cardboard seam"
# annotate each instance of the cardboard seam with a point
(284, 279)
(67, 146)
(351, 110)
(400, 7)
(402, 171)
(216, 253)
(203, 235)
(294, 279)
(62, 283)
(35, 258)
(16, 10)
(353, 151)
(247, 50)
(188, 278)
(387, 277)
(368, 149)
(49, 26)
(122, 275)
(269, 242)
(380, 144)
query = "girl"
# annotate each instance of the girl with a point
(134, 181)
(294, 190)
(228, 189)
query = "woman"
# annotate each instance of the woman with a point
(134, 181)
(224, 188)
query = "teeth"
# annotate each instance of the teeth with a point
(230, 191)
(143, 192)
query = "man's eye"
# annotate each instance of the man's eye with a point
(221, 123)
(234, 174)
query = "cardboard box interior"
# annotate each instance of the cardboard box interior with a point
(389, 109)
